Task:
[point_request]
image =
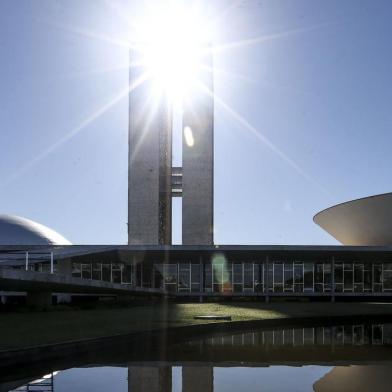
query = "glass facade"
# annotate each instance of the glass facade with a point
(109, 272)
(276, 276)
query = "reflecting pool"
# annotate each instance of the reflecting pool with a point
(351, 357)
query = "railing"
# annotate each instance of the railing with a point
(51, 261)
(26, 260)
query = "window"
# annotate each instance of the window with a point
(308, 276)
(106, 273)
(319, 277)
(258, 277)
(237, 277)
(116, 272)
(319, 273)
(327, 277)
(158, 276)
(288, 276)
(227, 277)
(184, 277)
(170, 277)
(387, 280)
(248, 276)
(278, 277)
(207, 277)
(127, 274)
(86, 271)
(338, 273)
(147, 273)
(348, 276)
(195, 277)
(367, 277)
(217, 271)
(270, 276)
(358, 277)
(377, 276)
(76, 270)
(298, 277)
(97, 271)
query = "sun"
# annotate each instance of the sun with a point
(172, 45)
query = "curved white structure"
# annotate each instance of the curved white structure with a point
(366, 221)
(15, 230)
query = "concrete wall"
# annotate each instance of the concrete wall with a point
(64, 267)
(198, 164)
(149, 141)
(41, 298)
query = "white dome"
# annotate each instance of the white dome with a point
(15, 230)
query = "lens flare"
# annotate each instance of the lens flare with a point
(188, 136)
(221, 272)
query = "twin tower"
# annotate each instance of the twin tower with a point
(153, 180)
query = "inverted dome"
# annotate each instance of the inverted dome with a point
(15, 230)
(366, 221)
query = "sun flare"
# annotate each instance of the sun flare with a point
(171, 45)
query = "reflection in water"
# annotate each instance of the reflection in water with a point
(271, 379)
(355, 378)
(251, 361)
(198, 379)
(146, 379)
(44, 384)
(355, 335)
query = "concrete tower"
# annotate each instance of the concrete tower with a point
(149, 170)
(198, 161)
(152, 179)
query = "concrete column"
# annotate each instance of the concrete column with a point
(40, 298)
(197, 379)
(64, 267)
(149, 379)
(134, 272)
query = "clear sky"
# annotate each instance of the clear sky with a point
(306, 123)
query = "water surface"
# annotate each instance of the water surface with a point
(354, 357)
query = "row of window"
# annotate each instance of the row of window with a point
(349, 335)
(246, 277)
(109, 272)
(277, 277)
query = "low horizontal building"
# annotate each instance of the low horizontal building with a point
(247, 270)
(362, 269)
(220, 270)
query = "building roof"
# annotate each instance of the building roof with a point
(16, 255)
(15, 230)
(366, 221)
